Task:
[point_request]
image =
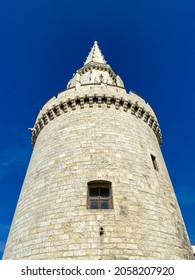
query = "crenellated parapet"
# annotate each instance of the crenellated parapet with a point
(96, 96)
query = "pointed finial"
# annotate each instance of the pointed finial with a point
(95, 55)
(95, 71)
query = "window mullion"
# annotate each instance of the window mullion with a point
(99, 203)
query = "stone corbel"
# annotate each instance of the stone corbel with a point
(125, 105)
(65, 106)
(108, 101)
(140, 112)
(154, 125)
(151, 120)
(41, 123)
(45, 119)
(37, 127)
(133, 106)
(51, 114)
(73, 103)
(146, 116)
(99, 101)
(57, 108)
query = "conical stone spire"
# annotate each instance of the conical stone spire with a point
(95, 55)
(95, 71)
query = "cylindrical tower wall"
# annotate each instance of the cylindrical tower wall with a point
(97, 143)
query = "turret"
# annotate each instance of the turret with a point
(97, 186)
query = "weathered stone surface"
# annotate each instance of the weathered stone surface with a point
(84, 142)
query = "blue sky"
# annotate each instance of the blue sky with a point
(149, 43)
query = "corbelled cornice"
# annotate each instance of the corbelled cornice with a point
(112, 97)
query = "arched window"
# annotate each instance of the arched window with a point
(99, 195)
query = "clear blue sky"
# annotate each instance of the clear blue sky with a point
(149, 43)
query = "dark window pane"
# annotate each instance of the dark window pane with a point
(94, 192)
(94, 204)
(104, 205)
(104, 192)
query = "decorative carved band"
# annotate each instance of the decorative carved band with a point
(88, 101)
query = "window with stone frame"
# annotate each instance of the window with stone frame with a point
(99, 195)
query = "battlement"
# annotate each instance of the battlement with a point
(90, 96)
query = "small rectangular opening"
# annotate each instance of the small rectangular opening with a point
(154, 162)
(99, 195)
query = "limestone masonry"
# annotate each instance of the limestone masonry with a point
(97, 186)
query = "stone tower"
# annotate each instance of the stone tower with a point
(97, 186)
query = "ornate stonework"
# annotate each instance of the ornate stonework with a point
(92, 96)
(95, 71)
